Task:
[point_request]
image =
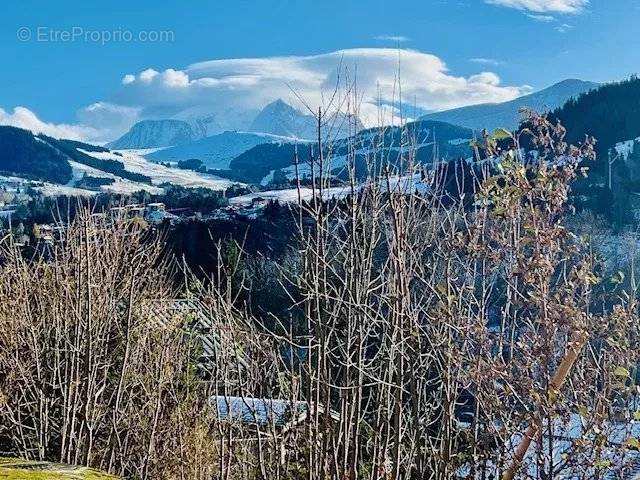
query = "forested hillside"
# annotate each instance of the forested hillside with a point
(372, 147)
(22, 154)
(610, 113)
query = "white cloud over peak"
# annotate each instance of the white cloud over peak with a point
(227, 94)
(232, 90)
(541, 6)
(108, 120)
(22, 117)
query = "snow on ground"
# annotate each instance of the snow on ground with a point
(119, 185)
(626, 148)
(133, 163)
(304, 169)
(159, 173)
(13, 179)
(401, 184)
(78, 170)
(12, 184)
(142, 151)
(459, 141)
(340, 161)
(51, 190)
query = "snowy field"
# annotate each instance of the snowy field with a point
(52, 190)
(401, 184)
(119, 185)
(142, 151)
(159, 174)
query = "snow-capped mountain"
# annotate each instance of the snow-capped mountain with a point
(496, 115)
(277, 118)
(280, 118)
(206, 123)
(155, 133)
(216, 151)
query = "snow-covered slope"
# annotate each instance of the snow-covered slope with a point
(496, 115)
(279, 118)
(155, 133)
(159, 174)
(216, 151)
(133, 163)
(206, 123)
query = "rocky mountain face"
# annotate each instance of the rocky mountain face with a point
(280, 118)
(155, 133)
(277, 118)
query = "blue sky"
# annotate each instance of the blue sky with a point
(523, 42)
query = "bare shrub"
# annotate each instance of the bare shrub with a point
(87, 374)
(451, 339)
(442, 323)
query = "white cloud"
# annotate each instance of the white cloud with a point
(541, 18)
(22, 117)
(231, 91)
(108, 120)
(486, 61)
(147, 75)
(127, 79)
(175, 78)
(485, 78)
(541, 6)
(393, 38)
(564, 28)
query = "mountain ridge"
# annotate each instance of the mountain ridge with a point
(277, 118)
(216, 151)
(155, 133)
(506, 114)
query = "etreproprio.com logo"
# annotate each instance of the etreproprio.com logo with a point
(45, 34)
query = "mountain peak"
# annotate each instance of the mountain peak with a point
(279, 103)
(155, 133)
(573, 81)
(280, 118)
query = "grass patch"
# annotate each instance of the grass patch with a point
(17, 469)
